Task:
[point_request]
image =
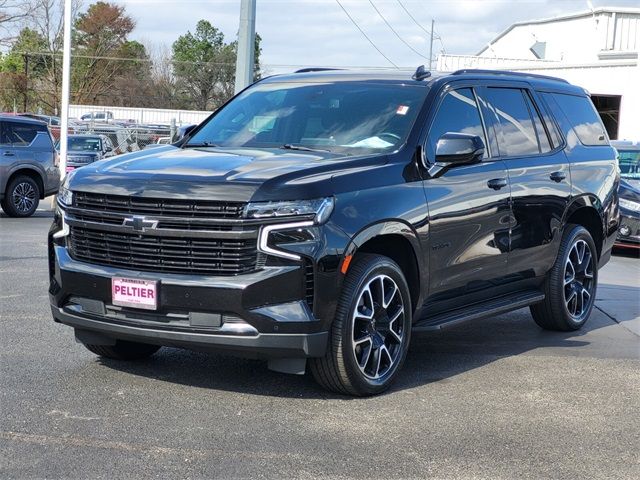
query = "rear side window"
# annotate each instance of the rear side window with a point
(583, 117)
(20, 134)
(458, 113)
(541, 133)
(516, 133)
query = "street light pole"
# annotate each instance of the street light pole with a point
(246, 45)
(66, 87)
(431, 46)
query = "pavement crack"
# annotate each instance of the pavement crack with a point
(615, 320)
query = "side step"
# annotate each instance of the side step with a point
(479, 310)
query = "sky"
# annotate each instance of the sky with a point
(298, 33)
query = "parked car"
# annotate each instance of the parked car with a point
(85, 149)
(53, 123)
(320, 217)
(100, 116)
(629, 192)
(28, 165)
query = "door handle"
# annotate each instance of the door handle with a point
(558, 176)
(497, 183)
(9, 154)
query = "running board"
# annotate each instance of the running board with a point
(479, 310)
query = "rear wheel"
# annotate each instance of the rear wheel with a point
(371, 331)
(570, 287)
(124, 350)
(21, 197)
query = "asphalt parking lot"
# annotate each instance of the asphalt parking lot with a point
(493, 399)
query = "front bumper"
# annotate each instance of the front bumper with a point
(259, 315)
(629, 231)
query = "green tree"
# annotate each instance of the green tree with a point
(23, 70)
(103, 53)
(204, 65)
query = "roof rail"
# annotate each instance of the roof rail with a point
(316, 69)
(506, 72)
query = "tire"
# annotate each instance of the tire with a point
(124, 350)
(22, 197)
(570, 286)
(365, 331)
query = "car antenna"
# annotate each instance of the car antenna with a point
(421, 73)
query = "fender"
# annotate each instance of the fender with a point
(393, 227)
(586, 200)
(24, 166)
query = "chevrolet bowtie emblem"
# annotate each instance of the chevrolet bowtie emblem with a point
(139, 223)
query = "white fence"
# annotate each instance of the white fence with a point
(143, 115)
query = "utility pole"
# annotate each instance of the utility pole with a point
(246, 45)
(26, 82)
(66, 87)
(431, 45)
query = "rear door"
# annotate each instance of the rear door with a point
(469, 219)
(530, 146)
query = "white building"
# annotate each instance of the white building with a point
(597, 50)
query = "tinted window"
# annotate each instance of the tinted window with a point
(543, 139)
(458, 113)
(343, 117)
(584, 118)
(516, 133)
(20, 134)
(629, 161)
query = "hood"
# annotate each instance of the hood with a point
(629, 190)
(230, 174)
(631, 183)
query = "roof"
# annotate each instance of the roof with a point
(626, 144)
(377, 76)
(403, 77)
(571, 16)
(17, 118)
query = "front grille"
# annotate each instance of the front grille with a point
(80, 159)
(155, 206)
(204, 256)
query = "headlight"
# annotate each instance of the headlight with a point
(65, 196)
(320, 209)
(630, 205)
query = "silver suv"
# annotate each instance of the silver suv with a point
(28, 170)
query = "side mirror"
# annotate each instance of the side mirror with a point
(108, 149)
(457, 149)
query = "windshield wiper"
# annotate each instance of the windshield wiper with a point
(202, 144)
(291, 146)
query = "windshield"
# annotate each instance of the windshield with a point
(629, 161)
(340, 117)
(86, 144)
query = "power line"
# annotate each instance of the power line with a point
(413, 18)
(394, 31)
(364, 34)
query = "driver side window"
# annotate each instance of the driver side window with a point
(458, 113)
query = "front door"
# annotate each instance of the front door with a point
(469, 209)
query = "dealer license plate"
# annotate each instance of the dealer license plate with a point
(133, 292)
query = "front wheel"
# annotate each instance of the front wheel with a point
(570, 286)
(371, 330)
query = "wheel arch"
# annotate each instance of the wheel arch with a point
(398, 241)
(30, 172)
(587, 211)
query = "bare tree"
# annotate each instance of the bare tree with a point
(12, 12)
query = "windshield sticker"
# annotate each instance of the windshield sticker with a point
(402, 110)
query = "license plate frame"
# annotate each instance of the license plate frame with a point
(134, 293)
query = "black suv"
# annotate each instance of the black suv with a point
(321, 217)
